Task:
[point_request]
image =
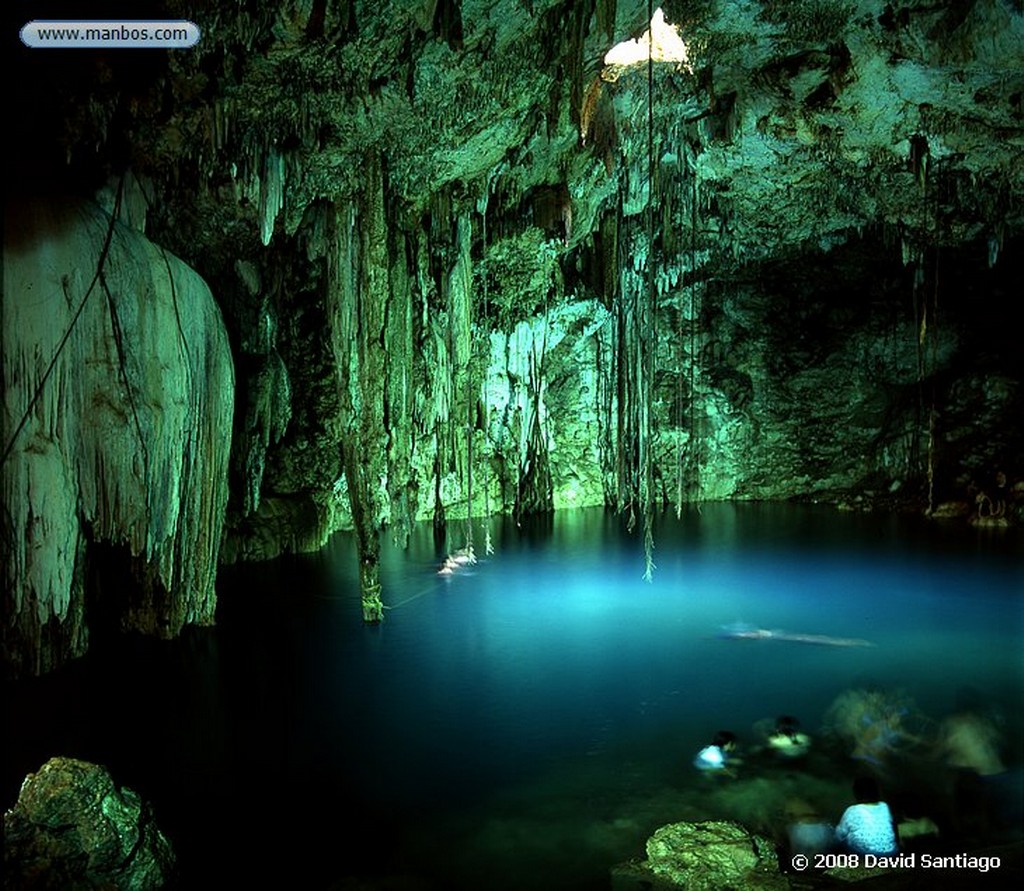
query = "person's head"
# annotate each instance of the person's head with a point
(865, 789)
(787, 725)
(725, 740)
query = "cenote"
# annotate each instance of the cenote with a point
(530, 720)
(306, 278)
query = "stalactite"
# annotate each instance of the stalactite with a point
(221, 126)
(272, 186)
(125, 441)
(358, 293)
(606, 11)
(995, 245)
(374, 300)
(605, 362)
(447, 22)
(401, 387)
(534, 488)
(610, 256)
(460, 331)
(441, 355)
(566, 26)
(440, 359)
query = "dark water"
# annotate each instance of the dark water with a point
(530, 720)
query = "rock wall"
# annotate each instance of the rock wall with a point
(844, 375)
(117, 408)
(748, 274)
(774, 267)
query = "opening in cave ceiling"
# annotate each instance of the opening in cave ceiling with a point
(661, 41)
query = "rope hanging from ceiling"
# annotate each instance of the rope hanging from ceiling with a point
(646, 357)
(469, 396)
(482, 206)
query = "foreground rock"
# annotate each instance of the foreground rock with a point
(705, 856)
(72, 828)
(723, 856)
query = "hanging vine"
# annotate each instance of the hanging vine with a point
(460, 333)
(934, 360)
(436, 277)
(696, 311)
(485, 340)
(648, 327)
(926, 317)
(932, 413)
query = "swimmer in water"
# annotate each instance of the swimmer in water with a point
(462, 557)
(787, 740)
(718, 757)
(742, 632)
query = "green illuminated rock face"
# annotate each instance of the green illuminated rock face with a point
(466, 267)
(118, 398)
(72, 827)
(758, 284)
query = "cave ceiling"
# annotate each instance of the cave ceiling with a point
(793, 125)
(438, 241)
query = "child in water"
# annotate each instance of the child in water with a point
(807, 832)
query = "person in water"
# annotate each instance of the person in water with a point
(873, 724)
(807, 832)
(867, 827)
(787, 740)
(462, 557)
(986, 795)
(718, 756)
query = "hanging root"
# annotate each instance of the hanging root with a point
(373, 607)
(649, 565)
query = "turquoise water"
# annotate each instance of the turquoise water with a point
(530, 720)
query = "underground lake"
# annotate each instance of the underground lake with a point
(530, 719)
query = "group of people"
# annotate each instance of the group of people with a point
(462, 557)
(966, 745)
(866, 827)
(786, 741)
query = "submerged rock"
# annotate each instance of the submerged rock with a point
(72, 828)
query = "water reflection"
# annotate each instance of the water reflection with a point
(533, 717)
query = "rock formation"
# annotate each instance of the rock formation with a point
(118, 399)
(467, 265)
(72, 827)
(703, 857)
